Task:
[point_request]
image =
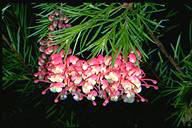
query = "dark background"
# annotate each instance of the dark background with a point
(18, 111)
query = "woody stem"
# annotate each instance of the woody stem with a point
(164, 51)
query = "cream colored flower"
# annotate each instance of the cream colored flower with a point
(63, 96)
(56, 89)
(87, 87)
(58, 69)
(78, 80)
(135, 81)
(90, 97)
(56, 78)
(129, 98)
(114, 98)
(113, 76)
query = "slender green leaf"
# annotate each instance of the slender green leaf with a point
(177, 45)
(18, 39)
(77, 39)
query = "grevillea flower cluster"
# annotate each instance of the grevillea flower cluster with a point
(92, 78)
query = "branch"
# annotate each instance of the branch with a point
(164, 51)
(18, 56)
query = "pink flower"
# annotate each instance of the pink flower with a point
(114, 98)
(56, 59)
(85, 66)
(105, 84)
(138, 54)
(112, 76)
(95, 69)
(129, 66)
(106, 102)
(117, 63)
(100, 59)
(42, 68)
(93, 61)
(49, 42)
(76, 79)
(87, 72)
(72, 59)
(43, 56)
(92, 79)
(65, 18)
(56, 13)
(60, 25)
(107, 60)
(62, 53)
(40, 73)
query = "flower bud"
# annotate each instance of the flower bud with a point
(132, 58)
(51, 18)
(41, 48)
(51, 27)
(49, 50)
(43, 56)
(56, 13)
(60, 25)
(42, 42)
(55, 23)
(63, 96)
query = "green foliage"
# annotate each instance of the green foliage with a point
(19, 60)
(176, 85)
(103, 26)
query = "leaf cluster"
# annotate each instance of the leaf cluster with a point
(19, 53)
(175, 85)
(102, 28)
